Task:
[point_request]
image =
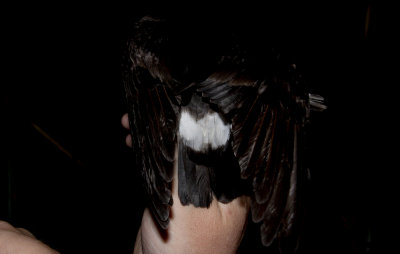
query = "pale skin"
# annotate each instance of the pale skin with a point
(218, 229)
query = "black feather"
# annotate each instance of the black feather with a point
(194, 180)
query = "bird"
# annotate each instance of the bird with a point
(236, 112)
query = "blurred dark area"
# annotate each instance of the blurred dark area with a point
(68, 177)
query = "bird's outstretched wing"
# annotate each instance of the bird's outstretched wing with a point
(152, 114)
(268, 116)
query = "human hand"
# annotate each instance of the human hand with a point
(20, 241)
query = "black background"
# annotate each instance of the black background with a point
(62, 73)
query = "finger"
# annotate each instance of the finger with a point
(125, 121)
(128, 140)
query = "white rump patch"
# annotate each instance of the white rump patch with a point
(207, 131)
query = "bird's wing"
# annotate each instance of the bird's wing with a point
(268, 116)
(152, 114)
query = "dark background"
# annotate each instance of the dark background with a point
(73, 183)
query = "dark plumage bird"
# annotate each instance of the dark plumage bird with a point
(236, 113)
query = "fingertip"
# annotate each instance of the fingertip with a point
(128, 140)
(125, 121)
